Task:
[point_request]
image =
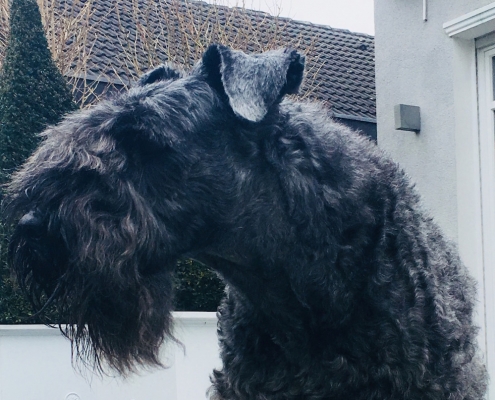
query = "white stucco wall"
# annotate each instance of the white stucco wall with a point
(35, 364)
(415, 64)
(439, 65)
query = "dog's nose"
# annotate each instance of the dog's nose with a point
(30, 220)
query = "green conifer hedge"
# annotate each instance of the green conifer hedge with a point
(197, 288)
(33, 95)
(33, 92)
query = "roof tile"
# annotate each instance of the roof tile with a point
(340, 63)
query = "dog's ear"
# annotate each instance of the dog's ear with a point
(160, 73)
(253, 83)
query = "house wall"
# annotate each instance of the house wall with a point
(416, 65)
(433, 64)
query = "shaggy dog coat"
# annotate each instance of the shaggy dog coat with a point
(339, 285)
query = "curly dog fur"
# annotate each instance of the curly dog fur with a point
(339, 285)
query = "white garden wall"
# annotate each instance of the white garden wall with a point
(35, 364)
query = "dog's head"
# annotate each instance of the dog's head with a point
(115, 194)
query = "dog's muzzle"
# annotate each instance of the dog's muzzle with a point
(31, 221)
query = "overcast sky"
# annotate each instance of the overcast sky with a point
(355, 15)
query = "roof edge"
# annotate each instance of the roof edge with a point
(355, 118)
(280, 17)
(119, 82)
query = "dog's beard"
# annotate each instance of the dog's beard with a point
(116, 314)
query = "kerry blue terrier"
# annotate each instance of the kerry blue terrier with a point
(339, 285)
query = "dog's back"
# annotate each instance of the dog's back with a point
(361, 296)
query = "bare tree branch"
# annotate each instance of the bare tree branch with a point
(150, 32)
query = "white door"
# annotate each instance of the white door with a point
(486, 114)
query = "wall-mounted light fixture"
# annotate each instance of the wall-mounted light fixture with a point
(407, 118)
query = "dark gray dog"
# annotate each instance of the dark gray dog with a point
(339, 286)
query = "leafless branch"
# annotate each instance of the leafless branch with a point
(150, 32)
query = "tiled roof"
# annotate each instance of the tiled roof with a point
(340, 63)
